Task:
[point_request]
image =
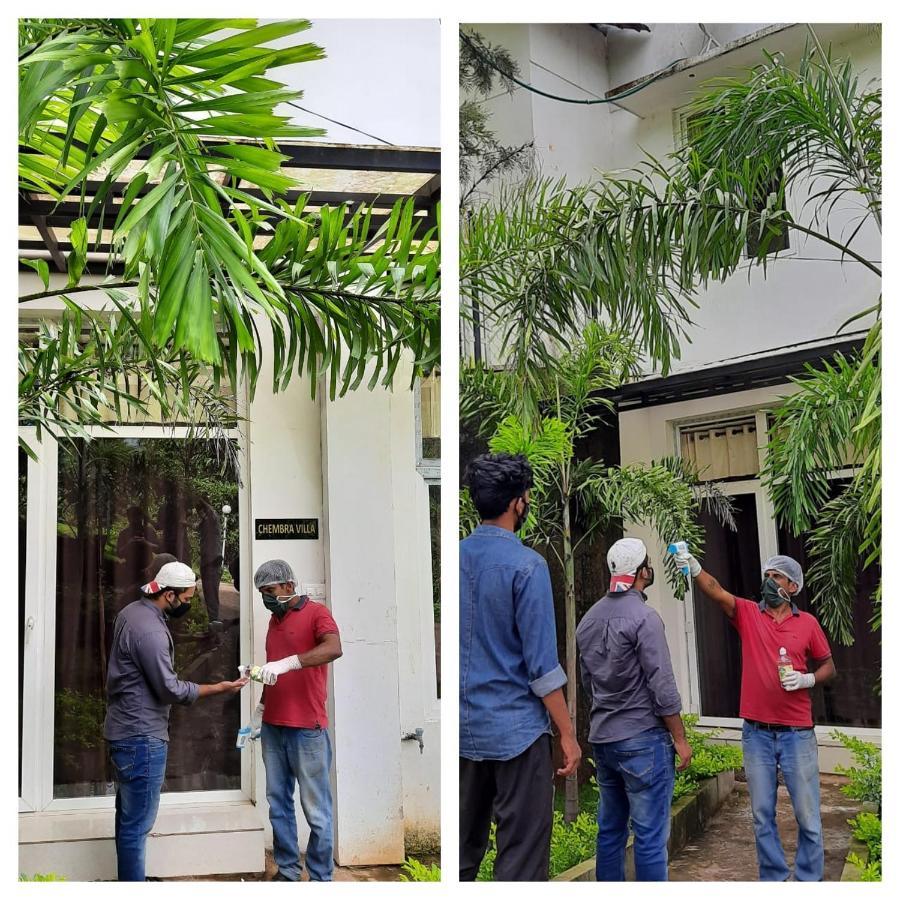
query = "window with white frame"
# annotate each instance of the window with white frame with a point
(117, 505)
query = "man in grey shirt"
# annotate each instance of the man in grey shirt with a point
(141, 686)
(635, 717)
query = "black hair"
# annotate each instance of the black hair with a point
(496, 479)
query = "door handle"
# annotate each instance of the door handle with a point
(29, 626)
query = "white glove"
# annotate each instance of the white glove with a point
(269, 673)
(683, 558)
(256, 720)
(793, 681)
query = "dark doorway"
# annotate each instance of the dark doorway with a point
(733, 557)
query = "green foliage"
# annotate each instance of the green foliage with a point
(707, 760)
(88, 368)
(78, 723)
(482, 68)
(569, 845)
(636, 248)
(208, 243)
(865, 776)
(660, 495)
(866, 827)
(869, 871)
(49, 876)
(547, 448)
(413, 870)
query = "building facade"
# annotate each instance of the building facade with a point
(346, 490)
(748, 335)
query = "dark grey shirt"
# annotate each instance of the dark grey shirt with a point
(626, 669)
(141, 684)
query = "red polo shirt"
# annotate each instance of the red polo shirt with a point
(298, 698)
(762, 696)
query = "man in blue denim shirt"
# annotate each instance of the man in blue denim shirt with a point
(635, 716)
(510, 684)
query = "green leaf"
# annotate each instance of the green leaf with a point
(40, 266)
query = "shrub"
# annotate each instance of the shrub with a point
(708, 759)
(50, 876)
(865, 776)
(413, 870)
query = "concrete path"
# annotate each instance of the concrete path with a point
(726, 851)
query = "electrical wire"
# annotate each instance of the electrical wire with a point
(530, 87)
(342, 124)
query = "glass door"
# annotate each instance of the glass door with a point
(125, 506)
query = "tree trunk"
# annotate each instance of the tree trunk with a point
(571, 808)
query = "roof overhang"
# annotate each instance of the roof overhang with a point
(761, 370)
(675, 84)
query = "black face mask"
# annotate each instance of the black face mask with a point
(650, 575)
(176, 612)
(773, 594)
(275, 606)
(521, 519)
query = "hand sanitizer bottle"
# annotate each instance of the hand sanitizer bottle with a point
(785, 666)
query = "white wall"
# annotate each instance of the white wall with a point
(807, 293)
(419, 706)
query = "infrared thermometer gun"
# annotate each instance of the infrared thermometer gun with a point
(680, 547)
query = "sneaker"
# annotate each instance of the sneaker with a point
(216, 626)
(279, 876)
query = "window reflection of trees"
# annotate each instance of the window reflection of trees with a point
(121, 503)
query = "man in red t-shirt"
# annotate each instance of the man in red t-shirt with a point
(292, 721)
(777, 709)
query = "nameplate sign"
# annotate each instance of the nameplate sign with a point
(287, 529)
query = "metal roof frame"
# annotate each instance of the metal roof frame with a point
(44, 214)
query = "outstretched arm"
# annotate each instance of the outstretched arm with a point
(716, 592)
(703, 580)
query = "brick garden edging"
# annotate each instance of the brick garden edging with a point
(690, 816)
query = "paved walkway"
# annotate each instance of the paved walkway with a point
(726, 851)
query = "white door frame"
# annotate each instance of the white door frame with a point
(40, 651)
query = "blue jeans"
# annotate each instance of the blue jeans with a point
(796, 753)
(299, 756)
(139, 765)
(637, 779)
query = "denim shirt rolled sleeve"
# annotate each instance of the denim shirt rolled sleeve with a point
(656, 663)
(508, 659)
(536, 621)
(153, 655)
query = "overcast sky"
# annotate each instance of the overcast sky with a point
(380, 75)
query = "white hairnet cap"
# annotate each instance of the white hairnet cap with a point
(625, 556)
(274, 571)
(788, 567)
(171, 575)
